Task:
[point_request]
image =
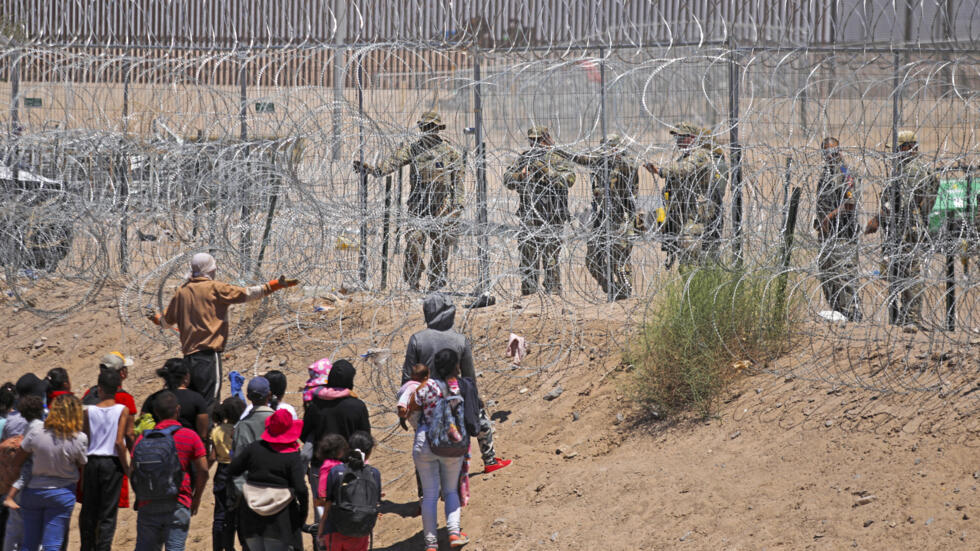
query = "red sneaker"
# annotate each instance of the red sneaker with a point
(458, 539)
(497, 464)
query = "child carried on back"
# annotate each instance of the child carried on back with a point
(420, 374)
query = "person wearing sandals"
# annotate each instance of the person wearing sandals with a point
(439, 475)
(275, 499)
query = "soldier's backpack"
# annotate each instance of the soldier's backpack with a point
(156, 466)
(9, 471)
(446, 431)
(355, 509)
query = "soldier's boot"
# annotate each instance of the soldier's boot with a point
(414, 253)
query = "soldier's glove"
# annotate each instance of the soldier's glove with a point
(652, 169)
(361, 168)
(281, 283)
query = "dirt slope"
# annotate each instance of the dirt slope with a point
(784, 465)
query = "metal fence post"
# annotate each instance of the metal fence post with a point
(15, 94)
(482, 243)
(123, 180)
(735, 151)
(892, 238)
(606, 177)
(246, 243)
(363, 191)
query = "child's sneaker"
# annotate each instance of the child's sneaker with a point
(495, 465)
(458, 539)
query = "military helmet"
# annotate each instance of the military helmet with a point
(906, 137)
(687, 128)
(431, 118)
(537, 132)
(614, 141)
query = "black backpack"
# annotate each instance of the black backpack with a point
(355, 511)
(156, 466)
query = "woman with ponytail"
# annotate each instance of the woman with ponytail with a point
(193, 408)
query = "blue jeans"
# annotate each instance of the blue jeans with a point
(167, 528)
(439, 476)
(46, 513)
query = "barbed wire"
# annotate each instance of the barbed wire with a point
(122, 163)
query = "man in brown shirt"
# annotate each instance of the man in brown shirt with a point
(199, 309)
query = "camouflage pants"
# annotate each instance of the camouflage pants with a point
(442, 244)
(540, 247)
(711, 241)
(905, 274)
(617, 262)
(689, 250)
(837, 273)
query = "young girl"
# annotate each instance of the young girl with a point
(361, 445)
(224, 525)
(332, 449)
(420, 374)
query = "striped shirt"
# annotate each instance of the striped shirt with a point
(189, 448)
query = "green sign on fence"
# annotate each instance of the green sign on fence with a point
(265, 107)
(32, 102)
(954, 200)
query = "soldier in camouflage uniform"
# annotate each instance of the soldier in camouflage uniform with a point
(435, 199)
(611, 166)
(716, 199)
(541, 177)
(905, 206)
(685, 193)
(837, 225)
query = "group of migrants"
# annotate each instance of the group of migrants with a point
(691, 218)
(272, 464)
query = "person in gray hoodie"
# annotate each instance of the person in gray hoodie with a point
(440, 314)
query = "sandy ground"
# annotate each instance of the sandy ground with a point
(786, 463)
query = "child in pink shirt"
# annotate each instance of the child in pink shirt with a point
(332, 449)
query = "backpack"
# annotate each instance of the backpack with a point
(355, 511)
(447, 418)
(157, 474)
(9, 471)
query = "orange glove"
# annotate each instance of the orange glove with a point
(281, 283)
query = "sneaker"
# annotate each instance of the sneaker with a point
(458, 539)
(495, 465)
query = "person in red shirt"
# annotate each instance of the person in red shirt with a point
(159, 523)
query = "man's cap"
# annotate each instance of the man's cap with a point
(258, 386)
(115, 360)
(687, 128)
(431, 118)
(537, 132)
(906, 137)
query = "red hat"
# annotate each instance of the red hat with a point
(281, 428)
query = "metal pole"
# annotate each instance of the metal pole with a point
(385, 235)
(892, 238)
(339, 59)
(123, 180)
(951, 272)
(246, 244)
(735, 152)
(787, 252)
(15, 94)
(363, 192)
(606, 200)
(482, 243)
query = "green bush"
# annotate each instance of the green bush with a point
(703, 322)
